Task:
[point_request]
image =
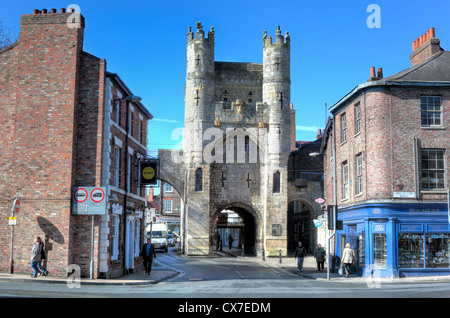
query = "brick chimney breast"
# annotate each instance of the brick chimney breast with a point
(425, 47)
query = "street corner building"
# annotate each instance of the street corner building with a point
(72, 136)
(386, 165)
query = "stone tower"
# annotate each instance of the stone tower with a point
(236, 145)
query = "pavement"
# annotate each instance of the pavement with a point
(161, 273)
(289, 265)
(158, 274)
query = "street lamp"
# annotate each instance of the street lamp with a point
(315, 154)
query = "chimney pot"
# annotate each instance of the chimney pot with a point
(44, 11)
(62, 10)
(35, 11)
(53, 10)
(414, 46)
(432, 32)
(372, 71)
(380, 73)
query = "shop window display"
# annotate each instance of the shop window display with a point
(437, 250)
(361, 250)
(410, 250)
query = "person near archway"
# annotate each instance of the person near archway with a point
(319, 255)
(230, 241)
(300, 254)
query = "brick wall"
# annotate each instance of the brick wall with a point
(38, 105)
(390, 120)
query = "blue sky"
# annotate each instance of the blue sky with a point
(332, 48)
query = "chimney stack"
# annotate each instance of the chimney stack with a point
(375, 77)
(424, 47)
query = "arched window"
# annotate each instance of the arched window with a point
(199, 179)
(276, 182)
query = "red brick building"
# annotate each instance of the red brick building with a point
(66, 123)
(388, 147)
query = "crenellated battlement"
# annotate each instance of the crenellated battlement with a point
(200, 34)
(279, 39)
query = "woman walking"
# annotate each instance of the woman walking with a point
(36, 258)
(348, 257)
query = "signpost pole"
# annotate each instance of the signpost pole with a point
(92, 249)
(15, 208)
(11, 262)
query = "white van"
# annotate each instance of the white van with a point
(159, 236)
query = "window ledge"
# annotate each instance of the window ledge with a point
(433, 127)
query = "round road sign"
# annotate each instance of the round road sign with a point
(16, 206)
(80, 195)
(97, 195)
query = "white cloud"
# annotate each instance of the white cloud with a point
(164, 120)
(307, 128)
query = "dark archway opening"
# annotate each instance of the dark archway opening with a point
(239, 224)
(299, 226)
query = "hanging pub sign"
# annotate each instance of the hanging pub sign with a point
(149, 171)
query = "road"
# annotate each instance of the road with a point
(231, 278)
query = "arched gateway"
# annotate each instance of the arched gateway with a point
(235, 148)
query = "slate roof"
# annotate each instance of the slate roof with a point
(435, 69)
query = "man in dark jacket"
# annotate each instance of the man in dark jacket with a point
(300, 252)
(148, 253)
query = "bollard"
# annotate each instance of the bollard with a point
(263, 256)
(280, 256)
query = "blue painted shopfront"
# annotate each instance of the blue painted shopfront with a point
(396, 239)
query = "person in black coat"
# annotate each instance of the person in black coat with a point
(148, 253)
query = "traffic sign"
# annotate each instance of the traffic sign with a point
(89, 201)
(320, 200)
(16, 206)
(97, 195)
(12, 220)
(80, 195)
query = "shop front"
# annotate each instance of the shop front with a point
(396, 240)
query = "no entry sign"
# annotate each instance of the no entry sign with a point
(89, 201)
(16, 206)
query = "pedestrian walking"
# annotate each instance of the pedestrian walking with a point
(319, 255)
(300, 252)
(230, 240)
(348, 257)
(218, 241)
(148, 254)
(36, 258)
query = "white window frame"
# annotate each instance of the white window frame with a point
(115, 221)
(345, 180)
(359, 174)
(434, 112)
(129, 157)
(432, 164)
(168, 187)
(343, 127)
(168, 203)
(357, 118)
(117, 151)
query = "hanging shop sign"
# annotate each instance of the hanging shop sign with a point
(149, 172)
